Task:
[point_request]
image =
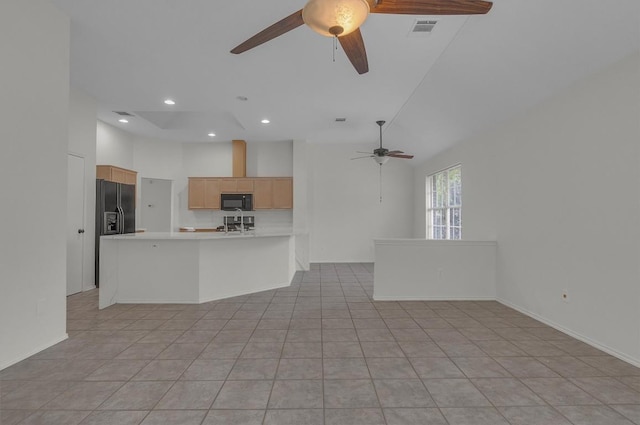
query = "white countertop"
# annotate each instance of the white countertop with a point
(201, 235)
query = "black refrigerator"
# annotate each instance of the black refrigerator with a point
(115, 212)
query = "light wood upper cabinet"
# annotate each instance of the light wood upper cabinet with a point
(239, 185)
(116, 174)
(131, 178)
(268, 192)
(263, 194)
(204, 193)
(229, 185)
(245, 186)
(282, 193)
(196, 193)
(212, 191)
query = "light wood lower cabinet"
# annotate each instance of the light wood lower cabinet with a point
(268, 192)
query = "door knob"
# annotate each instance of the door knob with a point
(80, 230)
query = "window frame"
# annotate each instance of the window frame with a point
(443, 230)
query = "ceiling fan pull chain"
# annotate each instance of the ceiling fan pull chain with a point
(380, 183)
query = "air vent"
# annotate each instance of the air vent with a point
(123, 114)
(422, 26)
(341, 119)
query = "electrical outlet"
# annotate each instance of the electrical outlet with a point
(565, 295)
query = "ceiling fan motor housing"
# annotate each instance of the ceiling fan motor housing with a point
(380, 151)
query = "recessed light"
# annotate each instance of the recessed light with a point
(122, 120)
(169, 102)
(211, 134)
(265, 121)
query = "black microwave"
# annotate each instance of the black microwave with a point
(236, 201)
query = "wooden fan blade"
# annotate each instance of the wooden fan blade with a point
(394, 152)
(353, 46)
(287, 24)
(395, 155)
(432, 7)
(360, 157)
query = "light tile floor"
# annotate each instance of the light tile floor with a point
(318, 352)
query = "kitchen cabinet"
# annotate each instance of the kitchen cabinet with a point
(204, 193)
(237, 185)
(245, 186)
(268, 192)
(273, 193)
(229, 185)
(282, 197)
(116, 174)
(263, 194)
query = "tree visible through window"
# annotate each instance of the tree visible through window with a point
(444, 204)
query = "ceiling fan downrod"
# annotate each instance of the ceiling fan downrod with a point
(380, 124)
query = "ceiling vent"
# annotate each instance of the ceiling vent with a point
(123, 114)
(422, 27)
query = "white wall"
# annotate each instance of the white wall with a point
(113, 146)
(82, 142)
(563, 183)
(346, 210)
(270, 159)
(421, 269)
(34, 88)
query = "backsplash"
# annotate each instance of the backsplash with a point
(263, 219)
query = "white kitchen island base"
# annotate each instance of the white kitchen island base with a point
(192, 268)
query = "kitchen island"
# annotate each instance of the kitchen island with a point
(191, 267)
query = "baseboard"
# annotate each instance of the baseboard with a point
(400, 298)
(224, 297)
(153, 301)
(36, 351)
(576, 335)
(88, 288)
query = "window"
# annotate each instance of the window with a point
(444, 204)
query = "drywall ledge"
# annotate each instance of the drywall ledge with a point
(421, 269)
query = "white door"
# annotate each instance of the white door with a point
(155, 200)
(75, 222)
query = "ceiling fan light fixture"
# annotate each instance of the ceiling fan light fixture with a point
(335, 17)
(381, 159)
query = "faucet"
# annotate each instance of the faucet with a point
(241, 220)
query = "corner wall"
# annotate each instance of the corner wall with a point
(346, 212)
(559, 187)
(34, 88)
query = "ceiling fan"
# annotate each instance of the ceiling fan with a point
(381, 155)
(342, 19)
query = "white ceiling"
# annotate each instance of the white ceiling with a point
(470, 74)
